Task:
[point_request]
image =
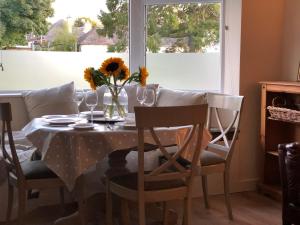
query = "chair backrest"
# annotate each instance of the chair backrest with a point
(12, 159)
(231, 106)
(148, 118)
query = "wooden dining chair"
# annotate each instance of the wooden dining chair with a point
(230, 108)
(25, 176)
(169, 180)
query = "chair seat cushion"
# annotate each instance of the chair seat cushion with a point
(36, 170)
(208, 158)
(130, 181)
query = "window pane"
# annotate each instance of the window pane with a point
(80, 34)
(183, 45)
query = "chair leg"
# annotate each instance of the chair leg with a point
(22, 205)
(165, 211)
(227, 194)
(141, 210)
(187, 211)
(10, 199)
(204, 190)
(108, 202)
(81, 209)
(62, 199)
(125, 212)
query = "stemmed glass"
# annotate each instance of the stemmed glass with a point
(149, 97)
(78, 98)
(91, 101)
(145, 96)
(140, 94)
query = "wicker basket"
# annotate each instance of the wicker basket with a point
(281, 113)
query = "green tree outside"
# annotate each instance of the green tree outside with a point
(194, 27)
(64, 40)
(19, 17)
(115, 24)
(81, 21)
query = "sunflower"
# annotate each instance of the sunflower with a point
(112, 66)
(143, 75)
(124, 73)
(88, 76)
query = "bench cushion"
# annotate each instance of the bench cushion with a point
(57, 100)
(168, 97)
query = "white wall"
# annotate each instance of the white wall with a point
(261, 57)
(291, 41)
(33, 70)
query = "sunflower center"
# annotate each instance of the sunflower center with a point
(112, 67)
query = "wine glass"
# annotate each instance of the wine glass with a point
(78, 98)
(140, 92)
(91, 101)
(149, 97)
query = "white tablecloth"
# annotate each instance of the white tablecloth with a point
(69, 153)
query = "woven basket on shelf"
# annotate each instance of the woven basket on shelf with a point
(281, 113)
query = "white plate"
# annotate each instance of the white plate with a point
(126, 125)
(61, 121)
(53, 116)
(82, 126)
(95, 113)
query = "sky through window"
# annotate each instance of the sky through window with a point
(77, 8)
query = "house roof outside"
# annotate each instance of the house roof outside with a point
(93, 38)
(50, 36)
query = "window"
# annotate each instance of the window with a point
(180, 42)
(183, 44)
(80, 34)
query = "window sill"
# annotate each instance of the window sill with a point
(10, 94)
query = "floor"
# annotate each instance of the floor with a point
(249, 208)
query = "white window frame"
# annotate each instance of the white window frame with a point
(137, 30)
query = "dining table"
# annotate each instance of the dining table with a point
(70, 152)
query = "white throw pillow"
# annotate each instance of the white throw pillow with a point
(57, 100)
(168, 97)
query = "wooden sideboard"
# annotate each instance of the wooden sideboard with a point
(276, 131)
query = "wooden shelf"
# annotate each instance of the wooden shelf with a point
(281, 86)
(284, 121)
(276, 131)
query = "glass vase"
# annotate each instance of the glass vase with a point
(115, 102)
